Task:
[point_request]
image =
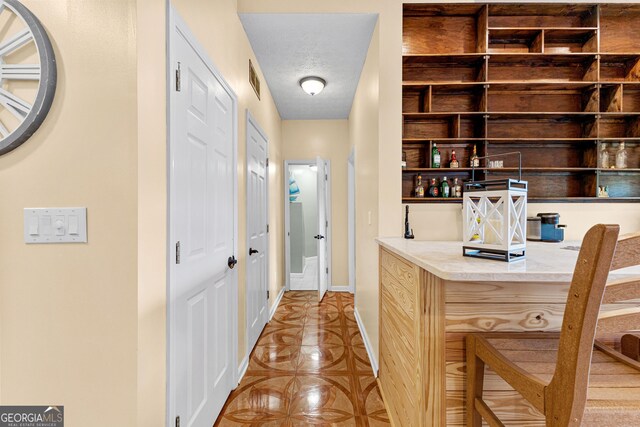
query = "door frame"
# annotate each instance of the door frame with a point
(251, 120)
(175, 22)
(287, 237)
(351, 219)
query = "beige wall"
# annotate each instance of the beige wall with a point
(444, 222)
(68, 313)
(84, 325)
(364, 137)
(152, 210)
(329, 139)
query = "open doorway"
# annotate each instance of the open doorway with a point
(307, 228)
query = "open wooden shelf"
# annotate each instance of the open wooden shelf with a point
(542, 169)
(497, 140)
(613, 170)
(530, 199)
(559, 83)
(437, 170)
(432, 200)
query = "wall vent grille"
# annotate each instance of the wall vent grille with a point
(254, 80)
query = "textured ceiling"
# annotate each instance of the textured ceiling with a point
(292, 46)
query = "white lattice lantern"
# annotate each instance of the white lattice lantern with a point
(494, 219)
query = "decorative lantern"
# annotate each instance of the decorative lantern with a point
(494, 219)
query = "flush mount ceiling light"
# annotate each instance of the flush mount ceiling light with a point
(312, 85)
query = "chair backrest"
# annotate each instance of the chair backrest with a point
(625, 319)
(566, 395)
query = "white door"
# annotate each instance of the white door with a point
(257, 217)
(202, 232)
(323, 269)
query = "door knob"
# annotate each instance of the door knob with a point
(232, 261)
(319, 236)
(252, 251)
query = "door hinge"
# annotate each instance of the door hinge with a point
(178, 77)
(178, 253)
(327, 269)
(327, 224)
(326, 177)
(178, 421)
(267, 228)
(267, 294)
(267, 162)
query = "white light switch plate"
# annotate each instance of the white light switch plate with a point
(55, 225)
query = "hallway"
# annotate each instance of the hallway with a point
(310, 367)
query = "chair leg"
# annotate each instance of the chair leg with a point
(630, 346)
(475, 382)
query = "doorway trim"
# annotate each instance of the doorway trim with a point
(287, 236)
(351, 219)
(251, 120)
(176, 23)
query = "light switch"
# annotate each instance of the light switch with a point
(45, 222)
(73, 225)
(59, 225)
(55, 225)
(34, 222)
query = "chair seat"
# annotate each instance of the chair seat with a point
(613, 396)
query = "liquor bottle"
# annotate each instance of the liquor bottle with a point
(475, 161)
(404, 160)
(446, 190)
(457, 188)
(621, 157)
(419, 191)
(454, 162)
(435, 156)
(603, 156)
(434, 191)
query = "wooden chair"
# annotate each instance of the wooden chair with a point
(565, 390)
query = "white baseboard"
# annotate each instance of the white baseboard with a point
(273, 309)
(340, 288)
(367, 343)
(242, 369)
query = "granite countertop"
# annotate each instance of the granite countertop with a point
(545, 262)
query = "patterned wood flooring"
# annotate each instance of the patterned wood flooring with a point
(309, 368)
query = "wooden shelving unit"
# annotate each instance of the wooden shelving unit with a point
(559, 83)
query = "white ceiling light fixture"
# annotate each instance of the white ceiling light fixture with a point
(312, 85)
